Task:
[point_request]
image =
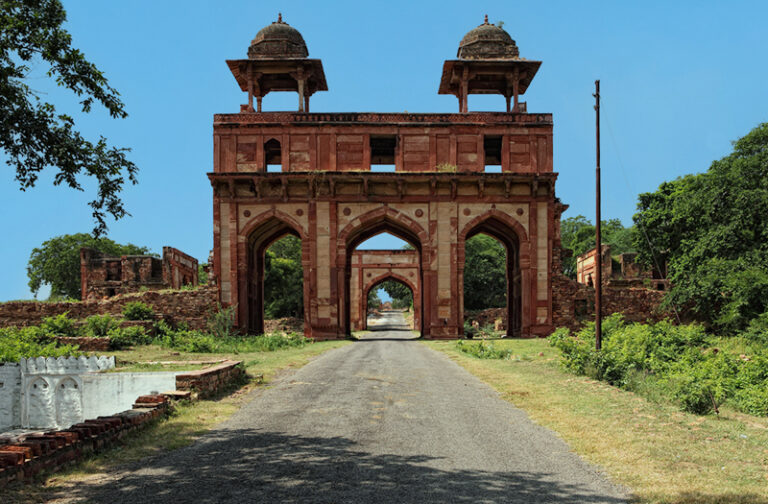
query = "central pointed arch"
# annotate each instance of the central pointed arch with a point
(375, 282)
(380, 220)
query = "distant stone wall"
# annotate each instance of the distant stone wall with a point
(285, 324)
(190, 306)
(573, 304)
(487, 317)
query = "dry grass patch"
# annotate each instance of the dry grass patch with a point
(662, 454)
(187, 423)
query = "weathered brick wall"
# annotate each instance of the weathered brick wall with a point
(573, 304)
(179, 269)
(104, 276)
(190, 306)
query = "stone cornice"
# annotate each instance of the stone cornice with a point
(376, 118)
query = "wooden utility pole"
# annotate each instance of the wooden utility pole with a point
(598, 238)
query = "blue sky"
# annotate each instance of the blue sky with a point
(680, 81)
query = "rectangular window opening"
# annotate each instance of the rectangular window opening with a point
(274, 168)
(383, 151)
(492, 148)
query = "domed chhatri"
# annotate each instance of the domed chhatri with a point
(277, 41)
(488, 63)
(277, 61)
(487, 41)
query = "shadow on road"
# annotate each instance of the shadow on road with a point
(253, 466)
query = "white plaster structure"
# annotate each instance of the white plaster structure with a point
(46, 393)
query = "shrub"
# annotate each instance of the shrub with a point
(483, 350)
(680, 363)
(99, 326)
(136, 310)
(221, 324)
(60, 325)
(28, 342)
(267, 342)
(122, 337)
(192, 341)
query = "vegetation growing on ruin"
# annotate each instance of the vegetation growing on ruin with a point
(26, 342)
(136, 310)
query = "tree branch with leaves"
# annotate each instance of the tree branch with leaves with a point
(33, 135)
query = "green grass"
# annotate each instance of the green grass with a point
(663, 454)
(189, 421)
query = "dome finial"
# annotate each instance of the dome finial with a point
(280, 17)
(486, 19)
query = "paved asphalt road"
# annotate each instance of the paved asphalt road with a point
(379, 421)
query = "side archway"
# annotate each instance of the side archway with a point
(512, 235)
(261, 232)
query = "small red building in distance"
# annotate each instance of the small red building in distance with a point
(320, 187)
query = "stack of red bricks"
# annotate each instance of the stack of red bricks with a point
(207, 382)
(51, 451)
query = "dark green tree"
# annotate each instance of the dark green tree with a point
(374, 301)
(283, 279)
(401, 294)
(485, 273)
(57, 262)
(711, 229)
(33, 135)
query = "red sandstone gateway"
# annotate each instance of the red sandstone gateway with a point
(438, 196)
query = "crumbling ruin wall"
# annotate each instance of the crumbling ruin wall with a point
(179, 269)
(192, 307)
(573, 304)
(103, 276)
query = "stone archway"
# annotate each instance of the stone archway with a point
(260, 233)
(382, 219)
(512, 235)
(368, 266)
(375, 282)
